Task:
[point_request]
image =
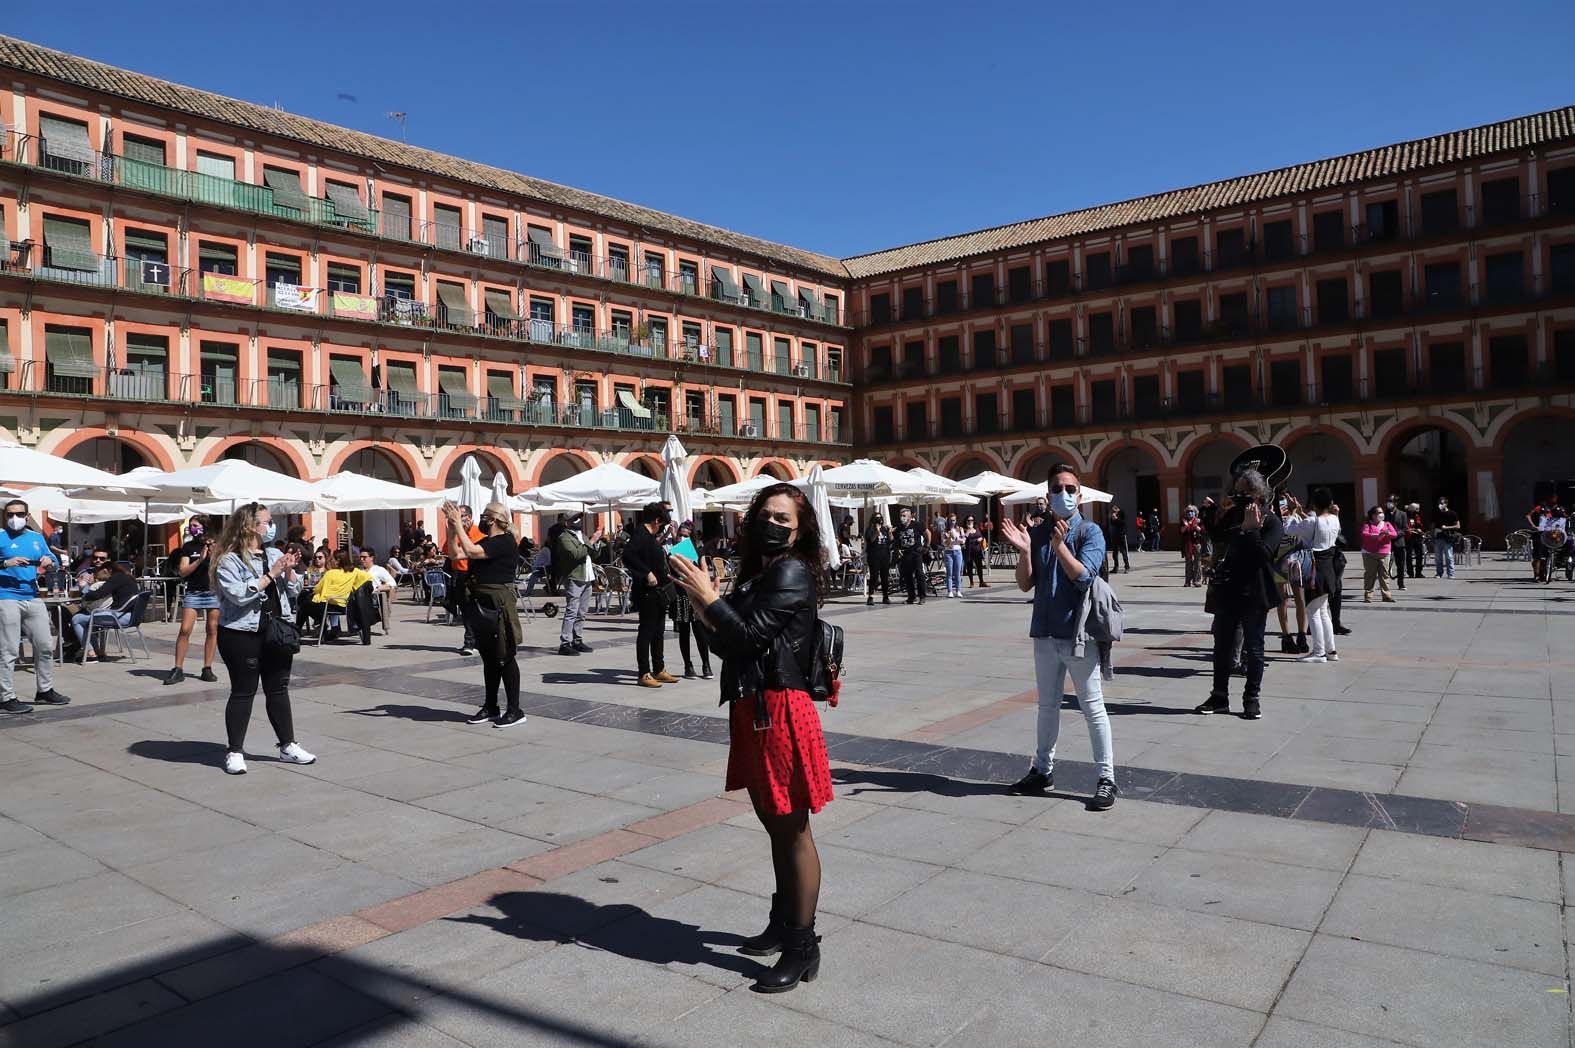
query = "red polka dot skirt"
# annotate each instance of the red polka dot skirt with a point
(785, 768)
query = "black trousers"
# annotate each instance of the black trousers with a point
(911, 568)
(1414, 553)
(1226, 623)
(653, 628)
(880, 575)
(684, 630)
(1118, 552)
(1397, 563)
(249, 663)
(973, 565)
(498, 666)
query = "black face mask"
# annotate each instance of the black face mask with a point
(772, 538)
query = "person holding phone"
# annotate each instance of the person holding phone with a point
(1247, 539)
(492, 615)
(650, 584)
(191, 564)
(23, 553)
(683, 611)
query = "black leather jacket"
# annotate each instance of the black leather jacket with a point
(758, 627)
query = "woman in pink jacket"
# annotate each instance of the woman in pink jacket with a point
(1377, 534)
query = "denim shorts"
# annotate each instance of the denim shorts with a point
(200, 601)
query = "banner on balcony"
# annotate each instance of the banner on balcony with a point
(226, 289)
(155, 273)
(295, 296)
(349, 305)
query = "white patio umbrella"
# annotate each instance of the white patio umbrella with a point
(992, 483)
(19, 465)
(233, 481)
(67, 510)
(820, 502)
(606, 485)
(866, 478)
(740, 495)
(675, 478)
(948, 492)
(1039, 491)
(353, 492)
(471, 493)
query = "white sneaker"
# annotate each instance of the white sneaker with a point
(293, 754)
(1313, 658)
(1334, 656)
(234, 763)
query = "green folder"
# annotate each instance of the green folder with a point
(686, 549)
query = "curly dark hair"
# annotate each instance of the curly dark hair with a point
(807, 548)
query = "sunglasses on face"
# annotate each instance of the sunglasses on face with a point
(1070, 489)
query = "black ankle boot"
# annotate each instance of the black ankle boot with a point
(770, 940)
(800, 960)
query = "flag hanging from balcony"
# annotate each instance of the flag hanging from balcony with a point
(346, 304)
(155, 273)
(224, 288)
(295, 296)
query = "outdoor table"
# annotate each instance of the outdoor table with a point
(57, 603)
(163, 586)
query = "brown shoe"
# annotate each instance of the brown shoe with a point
(648, 681)
(664, 677)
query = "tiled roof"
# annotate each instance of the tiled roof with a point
(1385, 162)
(96, 76)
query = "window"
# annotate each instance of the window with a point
(658, 338)
(1506, 280)
(1279, 241)
(580, 258)
(1058, 277)
(1236, 384)
(1281, 302)
(220, 372)
(1384, 293)
(1234, 315)
(782, 355)
(1383, 221)
(1024, 410)
(1328, 230)
(782, 300)
(1019, 284)
(1389, 378)
(1140, 263)
(1230, 248)
(1507, 361)
(582, 319)
(880, 364)
(447, 227)
(281, 269)
(142, 150)
(1561, 267)
(812, 422)
(1063, 406)
(1561, 191)
(912, 303)
(785, 420)
(1440, 212)
(918, 420)
(1334, 305)
(147, 260)
(68, 359)
(618, 262)
(1501, 200)
(1144, 322)
(1190, 396)
(1336, 379)
(1442, 280)
(1184, 256)
(1188, 317)
(284, 378)
(1285, 383)
(7, 361)
(880, 308)
(68, 244)
(950, 355)
(398, 223)
(454, 396)
(143, 374)
(1101, 334)
(1062, 344)
(1096, 271)
(495, 231)
(885, 428)
(724, 347)
(342, 277)
(688, 276)
(809, 360)
(64, 146)
(1103, 395)
(982, 287)
(1022, 343)
(346, 205)
(1446, 366)
(215, 165)
(951, 417)
(984, 349)
(399, 286)
(726, 412)
(543, 249)
(1145, 396)
(833, 309)
(754, 352)
(453, 306)
(1564, 355)
(986, 413)
(912, 359)
(834, 363)
(287, 193)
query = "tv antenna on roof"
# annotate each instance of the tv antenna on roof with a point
(398, 116)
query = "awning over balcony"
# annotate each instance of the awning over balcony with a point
(456, 389)
(70, 244)
(541, 241)
(498, 305)
(454, 304)
(785, 293)
(634, 407)
(351, 380)
(70, 353)
(724, 278)
(500, 388)
(401, 380)
(146, 242)
(286, 186)
(810, 300)
(65, 138)
(347, 202)
(757, 290)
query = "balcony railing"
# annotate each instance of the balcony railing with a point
(197, 187)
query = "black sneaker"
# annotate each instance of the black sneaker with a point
(485, 715)
(1034, 782)
(870, 603)
(1343, 631)
(51, 698)
(1213, 706)
(581, 647)
(1104, 796)
(705, 672)
(208, 675)
(1287, 644)
(1250, 710)
(509, 719)
(567, 649)
(1239, 670)
(689, 671)
(16, 706)
(176, 676)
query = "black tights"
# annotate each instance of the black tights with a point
(248, 662)
(684, 630)
(796, 862)
(503, 670)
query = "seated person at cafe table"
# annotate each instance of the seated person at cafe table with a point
(108, 590)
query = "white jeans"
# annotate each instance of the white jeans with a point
(1053, 659)
(32, 615)
(1320, 626)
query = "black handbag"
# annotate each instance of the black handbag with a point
(280, 635)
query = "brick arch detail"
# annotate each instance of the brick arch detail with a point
(991, 460)
(286, 450)
(143, 442)
(1047, 452)
(722, 461)
(541, 466)
(1189, 449)
(1102, 457)
(627, 461)
(1506, 424)
(781, 463)
(490, 451)
(1291, 438)
(399, 453)
(1398, 431)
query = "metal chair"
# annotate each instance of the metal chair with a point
(436, 582)
(135, 608)
(1470, 545)
(1517, 545)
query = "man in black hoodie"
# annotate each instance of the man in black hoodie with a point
(910, 541)
(649, 589)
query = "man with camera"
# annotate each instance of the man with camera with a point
(1246, 540)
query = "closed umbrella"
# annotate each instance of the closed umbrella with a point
(820, 502)
(500, 488)
(675, 478)
(471, 493)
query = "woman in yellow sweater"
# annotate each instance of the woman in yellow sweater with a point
(335, 587)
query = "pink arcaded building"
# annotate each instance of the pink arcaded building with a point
(185, 277)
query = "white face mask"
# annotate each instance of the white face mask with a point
(16, 523)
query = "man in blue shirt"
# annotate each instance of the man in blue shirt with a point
(22, 554)
(1059, 560)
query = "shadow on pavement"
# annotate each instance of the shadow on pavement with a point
(414, 713)
(592, 676)
(180, 751)
(870, 781)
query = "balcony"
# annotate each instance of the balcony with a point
(195, 187)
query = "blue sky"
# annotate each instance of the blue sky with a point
(849, 127)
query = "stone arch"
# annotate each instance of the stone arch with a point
(382, 461)
(491, 463)
(713, 471)
(1322, 458)
(645, 464)
(1033, 463)
(904, 462)
(965, 464)
(113, 454)
(776, 468)
(560, 466)
(1536, 463)
(1427, 458)
(268, 452)
(1130, 472)
(1207, 465)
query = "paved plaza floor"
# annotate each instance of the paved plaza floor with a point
(1380, 860)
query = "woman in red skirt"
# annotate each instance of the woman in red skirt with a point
(778, 753)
